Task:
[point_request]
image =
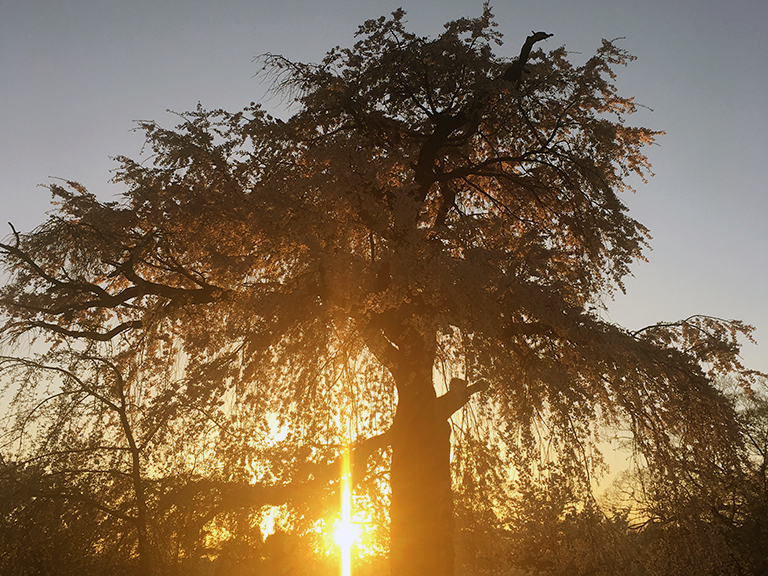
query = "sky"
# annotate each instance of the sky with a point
(76, 74)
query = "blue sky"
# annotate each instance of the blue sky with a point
(75, 74)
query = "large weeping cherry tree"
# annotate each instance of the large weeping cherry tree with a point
(427, 204)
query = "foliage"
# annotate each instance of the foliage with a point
(202, 347)
(643, 525)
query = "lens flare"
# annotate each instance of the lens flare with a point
(347, 532)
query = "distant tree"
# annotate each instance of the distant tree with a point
(711, 520)
(708, 520)
(429, 207)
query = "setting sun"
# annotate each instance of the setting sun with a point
(347, 533)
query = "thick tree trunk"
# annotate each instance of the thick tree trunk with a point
(422, 502)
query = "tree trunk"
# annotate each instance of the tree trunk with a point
(422, 503)
(146, 564)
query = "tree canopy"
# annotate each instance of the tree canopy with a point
(432, 223)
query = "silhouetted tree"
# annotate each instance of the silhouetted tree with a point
(427, 206)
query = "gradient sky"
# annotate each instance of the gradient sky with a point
(75, 74)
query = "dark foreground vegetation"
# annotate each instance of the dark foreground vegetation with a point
(643, 525)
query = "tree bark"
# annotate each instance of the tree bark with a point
(422, 503)
(144, 548)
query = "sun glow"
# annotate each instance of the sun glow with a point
(347, 532)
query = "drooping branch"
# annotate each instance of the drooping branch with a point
(238, 495)
(242, 495)
(89, 334)
(82, 295)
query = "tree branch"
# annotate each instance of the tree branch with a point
(89, 334)
(515, 72)
(234, 495)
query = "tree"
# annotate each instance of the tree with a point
(428, 204)
(713, 523)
